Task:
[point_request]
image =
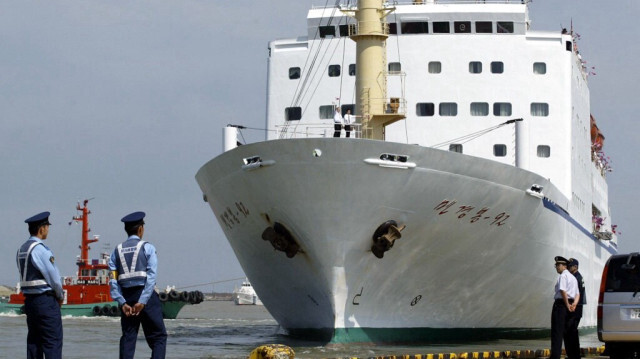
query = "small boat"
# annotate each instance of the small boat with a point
(88, 293)
(246, 295)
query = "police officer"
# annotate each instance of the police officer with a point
(573, 346)
(566, 292)
(133, 265)
(42, 288)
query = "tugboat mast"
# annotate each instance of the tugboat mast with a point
(84, 268)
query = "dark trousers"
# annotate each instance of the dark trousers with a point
(45, 326)
(347, 129)
(336, 129)
(572, 339)
(152, 325)
(561, 319)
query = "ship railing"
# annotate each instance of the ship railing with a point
(423, 2)
(384, 105)
(426, 2)
(316, 130)
(369, 28)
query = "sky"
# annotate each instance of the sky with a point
(122, 101)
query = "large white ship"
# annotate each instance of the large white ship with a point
(474, 161)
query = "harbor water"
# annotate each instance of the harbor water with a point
(221, 329)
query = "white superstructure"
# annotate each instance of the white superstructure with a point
(493, 172)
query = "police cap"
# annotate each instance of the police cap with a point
(561, 260)
(39, 219)
(573, 262)
(132, 220)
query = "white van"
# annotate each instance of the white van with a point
(619, 306)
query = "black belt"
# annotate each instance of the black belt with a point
(49, 293)
(561, 301)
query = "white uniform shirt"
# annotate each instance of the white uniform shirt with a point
(337, 117)
(568, 283)
(348, 118)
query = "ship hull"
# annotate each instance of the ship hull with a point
(74, 310)
(245, 299)
(475, 259)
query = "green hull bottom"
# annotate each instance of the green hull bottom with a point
(418, 335)
(170, 310)
(74, 310)
(422, 335)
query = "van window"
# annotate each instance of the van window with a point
(622, 277)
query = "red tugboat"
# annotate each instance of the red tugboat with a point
(88, 293)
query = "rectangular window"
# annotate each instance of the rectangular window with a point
(475, 67)
(505, 27)
(502, 109)
(435, 67)
(352, 69)
(539, 109)
(326, 112)
(539, 68)
(497, 67)
(441, 27)
(455, 147)
(344, 30)
(479, 109)
(425, 109)
(293, 113)
(346, 107)
(499, 150)
(448, 109)
(417, 27)
(462, 27)
(622, 276)
(544, 151)
(334, 70)
(393, 28)
(327, 31)
(294, 73)
(484, 27)
(395, 67)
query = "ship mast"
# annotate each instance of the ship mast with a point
(370, 34)
(83, 261)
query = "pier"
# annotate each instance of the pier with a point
(278, 351)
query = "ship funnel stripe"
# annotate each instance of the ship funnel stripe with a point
(549, 204)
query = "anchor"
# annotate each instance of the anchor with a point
(281, 239)
(385, 236)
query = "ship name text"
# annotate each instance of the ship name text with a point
(231, 217)
(452, 207)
